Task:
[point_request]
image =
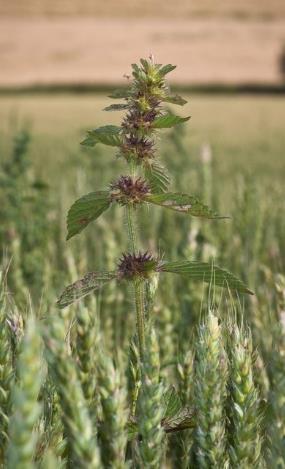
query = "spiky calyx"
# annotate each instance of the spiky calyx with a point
(140, 148)
(146, 96)
(128, 190)
(138, 119)
(141, 265)
(144, 106)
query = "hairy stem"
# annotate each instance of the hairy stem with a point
(131, 225)
(139, 284)
(140, 304)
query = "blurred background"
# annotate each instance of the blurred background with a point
(59, 60)
(93, 42)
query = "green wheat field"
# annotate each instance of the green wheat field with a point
(215, 395)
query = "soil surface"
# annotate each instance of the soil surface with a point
(66, 50)
(242, 9)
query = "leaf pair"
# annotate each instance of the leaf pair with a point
(194, 270)
(89, 207)
(111, 135)
(175, 99)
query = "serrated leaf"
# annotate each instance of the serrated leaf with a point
(180, 421)
(206, 272)
(89, 283)
(108, 135)
(137, 72)
(183, 203)
(120, 93)
(85, 210)
(136, 68)
(157, 177)
(176, 417)
(172, 402)
(88, 142)
(166, 69)
(116, 107)
(167, 121)
(175, 100)
(145, 64)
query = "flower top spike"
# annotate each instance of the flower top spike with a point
(135, 139)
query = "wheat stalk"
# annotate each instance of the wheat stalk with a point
(245, 418)
(210, 395)
(150, 409)
(113, 396)
(26, 409)
(83, 450)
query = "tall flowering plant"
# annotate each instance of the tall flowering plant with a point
(146, 182)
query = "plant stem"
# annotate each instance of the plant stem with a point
(139, 300)
(139, 287)
(131, 228)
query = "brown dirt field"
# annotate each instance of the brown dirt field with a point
(242, 9)
(88, 50)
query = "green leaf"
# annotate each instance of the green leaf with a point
(136, 68)
(180, 421)
(88, 142)
(108, 135)
(145, 64)
(166, 69)
(172, 402)
(175, 100)
(89, 283)
(209, 273)
(138, 73)
(116, 107)
(182, 203)
(157, 177)
(85, 210)
(176, 417)
(167, 121)
(121, 93)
